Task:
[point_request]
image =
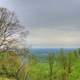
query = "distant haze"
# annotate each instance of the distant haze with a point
(52, 23)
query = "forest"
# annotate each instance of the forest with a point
(55, 66)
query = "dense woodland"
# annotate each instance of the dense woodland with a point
(63, 65)
(57, 66)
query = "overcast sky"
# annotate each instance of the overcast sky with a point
(52, 23)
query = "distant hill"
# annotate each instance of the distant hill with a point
(45, 51)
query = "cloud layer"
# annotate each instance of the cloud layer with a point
(52, 23)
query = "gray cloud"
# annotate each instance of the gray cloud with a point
(48, 12)
(51, 22)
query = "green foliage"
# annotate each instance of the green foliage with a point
(32, 60)
(9, 65)
(61, 66)
(50, 61)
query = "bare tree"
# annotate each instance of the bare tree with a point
(12, 33)
(10, 28)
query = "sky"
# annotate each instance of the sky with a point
(51, 23)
